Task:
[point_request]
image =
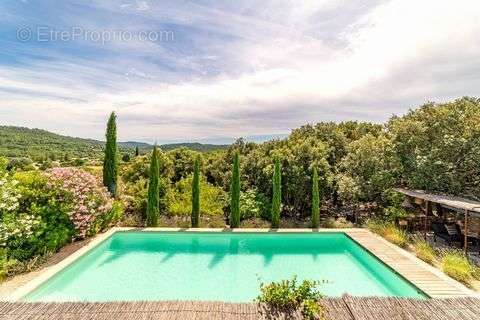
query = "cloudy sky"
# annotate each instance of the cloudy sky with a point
(213, 70)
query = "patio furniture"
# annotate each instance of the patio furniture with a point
(449, 233)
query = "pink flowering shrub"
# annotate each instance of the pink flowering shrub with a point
(89, 200)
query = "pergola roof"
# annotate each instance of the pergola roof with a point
(455, 203)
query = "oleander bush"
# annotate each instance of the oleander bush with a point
(42, 211)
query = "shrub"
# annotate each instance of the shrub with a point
(179, 198)
(396, 236)
(288, 296)
(84, 195)
(392, 214)
(456, 265)
(389, 231)
(424, 251)
(125, 157)
(250, 207)
(41, 222)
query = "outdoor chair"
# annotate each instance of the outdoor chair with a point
(449, 233)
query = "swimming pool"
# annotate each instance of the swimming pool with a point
(219, 266)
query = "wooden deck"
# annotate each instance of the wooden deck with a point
(425, 277)
(345, 308)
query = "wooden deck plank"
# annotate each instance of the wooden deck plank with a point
(344, 308)
(417, 272)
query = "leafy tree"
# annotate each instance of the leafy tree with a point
(315, 199)
(373, 167)
(235, 194)
(110, 166)
(196, 194)
(137, 152)
(182, 160)
(153, 203)
(212, 198)
(277, 195)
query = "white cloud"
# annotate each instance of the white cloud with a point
(281, 70)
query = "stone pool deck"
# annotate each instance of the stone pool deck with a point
(345, 308)
(427, 278)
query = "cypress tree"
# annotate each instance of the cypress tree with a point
(315, 199)
(196, 194)
(277, 195)
(137, 152)
(153, 202)
(110, 166)
(235, 194)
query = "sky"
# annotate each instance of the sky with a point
(214, 70)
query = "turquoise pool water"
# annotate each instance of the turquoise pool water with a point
(219, 266)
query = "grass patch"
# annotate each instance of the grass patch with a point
(456, 265)
(389, 231)
(424, 251)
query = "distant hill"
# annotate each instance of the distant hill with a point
(195, 146)
(39, 144)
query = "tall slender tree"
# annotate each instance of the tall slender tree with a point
(153, 201)
(315, 199)
(277, 195)
(137, 152)
(196, 194)
(235, 193)
(110, 166)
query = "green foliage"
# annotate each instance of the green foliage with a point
(438, 147)
(424, 251)
(196, 194)
(153, 203)
(277, 195)
(250, 206)
(114, 215)
(21, 163)
(110, 166)
(315, 199)
(287, 296)
(40, 145)
(235, 194)
(393, 214)
(41, 223)
(456, 265)
(372, 166)
(125, 157)
(179, 198)
(389, 231)
(182, 161)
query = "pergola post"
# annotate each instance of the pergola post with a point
(465, 231)
(428, 208)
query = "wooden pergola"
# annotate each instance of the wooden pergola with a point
(468, 208)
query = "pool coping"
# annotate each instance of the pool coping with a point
(448, 286)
